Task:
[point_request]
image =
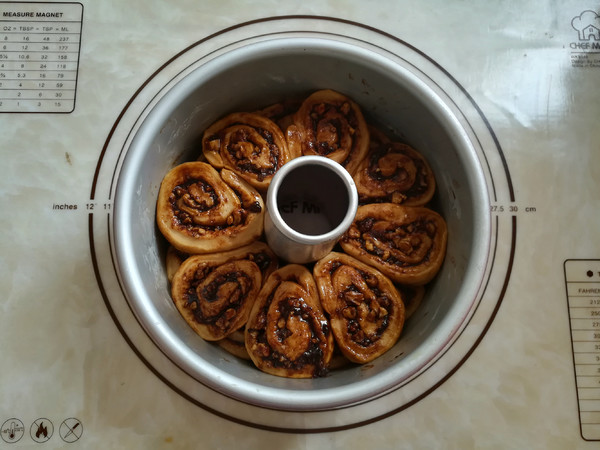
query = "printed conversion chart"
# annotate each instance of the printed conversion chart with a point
(39, 56)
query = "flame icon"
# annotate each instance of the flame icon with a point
(41, 431)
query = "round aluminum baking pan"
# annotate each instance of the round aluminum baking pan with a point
(256, 75)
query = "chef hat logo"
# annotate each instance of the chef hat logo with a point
(587, 25)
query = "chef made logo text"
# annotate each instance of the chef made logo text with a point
(585, 49)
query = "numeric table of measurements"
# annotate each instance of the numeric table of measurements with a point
(582, 277)
(39, 56)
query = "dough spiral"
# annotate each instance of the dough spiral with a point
(250, 144)
(365, 310)
(202, 211)
(408, 244)
(393, 172)
(287, 333)
(330, 124)
(215, 293)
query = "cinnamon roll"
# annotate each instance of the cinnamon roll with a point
(215, 293)
(287, 333)
(330, 124)
(408, 244)
(173, 261)
(282, 113)
(365, 310)
(393, 172)
(250, 144)
(235, 344)
(412, 296)
(202, 211)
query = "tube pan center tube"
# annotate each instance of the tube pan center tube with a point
(311, 202)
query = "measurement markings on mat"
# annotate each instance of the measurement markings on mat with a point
(582, 279)
(39, 56)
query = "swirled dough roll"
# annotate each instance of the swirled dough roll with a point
(287, 333)
(235, 344)
(408, 244)
(202, 211)
(330, 124)
(173, 261)
(282, 113)
(412, 296)
(250, 144)
(215, 293)
(393, 172)
(365, 310)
